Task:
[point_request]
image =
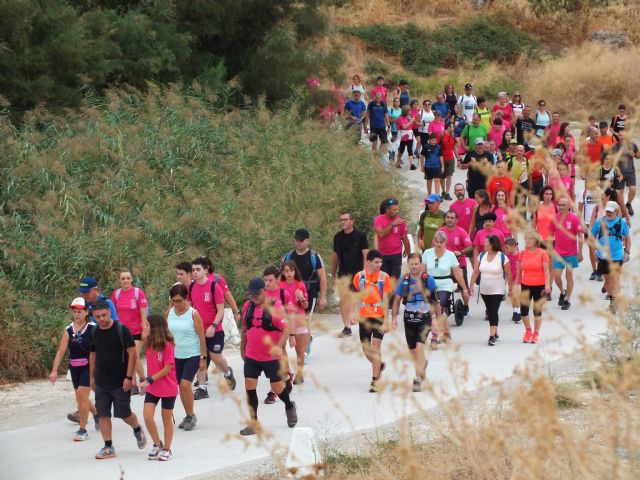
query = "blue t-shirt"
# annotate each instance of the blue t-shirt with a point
(415, 300)
(612, 247)
(376, 115)
(431, 155)
(404, 98)
(112, 308)
(443, 108)
(355, 108)
(394, 114)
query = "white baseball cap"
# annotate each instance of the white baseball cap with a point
(78, 303)
(611, 206)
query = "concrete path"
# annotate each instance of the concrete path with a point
(333, 400)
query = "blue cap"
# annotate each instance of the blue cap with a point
(433, 198)
(87, 284)
(255, 285)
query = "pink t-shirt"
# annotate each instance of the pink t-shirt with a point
(464, 210)
(496, 136)
(392, 243)
(502, 221)
(221, 281)
(553, 129)
(275, 294)
(206, 306)
(481, 235)
(513, 264)
(294, 305)
(565, 232)
(166, 386)
(436, 127)
(406, 125)
(383, 92)
(457, 239)
(260, 341)
(128, 308)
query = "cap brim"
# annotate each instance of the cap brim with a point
(84, 289)
(253, 292)
(77, 307)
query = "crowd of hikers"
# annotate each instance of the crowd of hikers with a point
(512, 231)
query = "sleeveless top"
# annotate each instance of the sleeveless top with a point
(184, 333)
(80, 342)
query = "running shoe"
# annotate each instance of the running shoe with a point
(417, 385)
(106, 452)
(603, 290)
(516, 317)
(155, 451)
(200, 393)
(446, 196)
(96, 421)
(527, 336)
(413, 167)
(231, 380)
(181, 424)
(292, 415)
(306, 359)
(299, 380)
(593, 276)
(630, 209)
(466, 310)
(535, 337)
(80, 436)
(141, 438)
(373, 387)
(74, 417)
(346, 332)
(308, 352)
(165, 455)
(561, 298)
(247, 431)
(599, 278)
(271, 398)
(549, 298)
(492, 341)
(190, 422)
(566, 305)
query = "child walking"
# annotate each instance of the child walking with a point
(291, 282)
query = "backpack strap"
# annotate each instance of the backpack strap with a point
(117, 293)
(282, 296)
(314, 261)
(248, 316)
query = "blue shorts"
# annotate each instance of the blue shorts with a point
(561, 262)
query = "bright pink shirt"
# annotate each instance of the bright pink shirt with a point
(502, 221)
(128, 308)
(166, 386)
(464, 210)
(294, 305)
(404, 123)
(275, 294)
(206, 306)
(436, 127)
(457, 240)
(513, 264)
(392, 243)
(259, 341)
(565, 232)
(552, 130)
(383, 92)
(496, 136)
(481, 235)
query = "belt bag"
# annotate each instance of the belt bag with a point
(417, 317)
(78, 362)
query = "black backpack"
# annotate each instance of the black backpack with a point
(267, 319)
(214, 282)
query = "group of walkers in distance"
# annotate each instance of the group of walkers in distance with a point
(521, 168)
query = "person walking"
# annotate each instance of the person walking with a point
(77, 339)
(392, 240)
(492, 272)
(431, 219)
(535, 284)
(567, 232)
(463, 206)
(350, 248)
(112, 363)
(160, 385)
(291, 282)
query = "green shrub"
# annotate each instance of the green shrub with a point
(375, 67)
(146, 181)
(544, 7)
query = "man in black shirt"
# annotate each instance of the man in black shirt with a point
(479, 165)
(350, 249)
(111, 367)
(525, 126)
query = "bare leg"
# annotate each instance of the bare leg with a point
(105, 428)
(220, 362)
(302, 341)
(84, 405)
(569, 283)
(167, 422)
(148, 412)
(557, 276)
(631, 195)
(186, 396)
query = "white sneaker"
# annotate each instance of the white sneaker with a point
(165, 455)
(155, 451)
(80, 436)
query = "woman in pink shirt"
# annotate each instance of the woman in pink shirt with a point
(544, 214)
(380, 88)
(291, 282)
(502, 211)
(131, 306)
(160, 385)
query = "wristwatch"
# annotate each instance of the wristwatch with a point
(129, 378)
(203, 357)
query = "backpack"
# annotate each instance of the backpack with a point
(362, 284)
(267, 319)
(406, 286)
(136, 294)
(614, 231)
(502, 257)
(314, 264)
(120, 330)
(216, 279)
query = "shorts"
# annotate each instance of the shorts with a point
(186, 368)
(350, 277)
(300, 330)
(392, 264)
(604, 266)
(449, 168)
(378, 133)
(629, 178)
(137, 337)
(560, 262)
(370, 328)
(117, 397)
(271, 368)
(406, 144)
(167, 402)
(311, 306)
(529, 293)
(80, 376)
(417, 133)
(444, 299)
(432, 173)
(416, 331)
(215, 344)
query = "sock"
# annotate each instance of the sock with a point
(516, 309)
(228, 374)
(108, 443)
(252, 399)
(138, 429)
(284, 396)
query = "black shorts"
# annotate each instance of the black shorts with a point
(79, 376)
(117, 397)
(604, 266)
(629, 179)
(392, 265)
(186, 368)
(370, 328)
(378, 133)
(350, 277)
(406, 144)
(416, 331)
(167, 402)
(215, 344)
(137, 337)
(530, 296)
(253, 369)
(432, 173)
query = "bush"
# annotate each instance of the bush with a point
(544, 7)
(146, 181)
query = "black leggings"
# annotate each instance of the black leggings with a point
(406, 144)
(492, 304)
(529, 293)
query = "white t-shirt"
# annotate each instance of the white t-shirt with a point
(492, 278)
(468, 104)
(589, 202)
(426, 118)
(358, 88)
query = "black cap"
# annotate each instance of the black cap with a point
(301, 234)
(468, 85)
(255, 285)
(489, 216)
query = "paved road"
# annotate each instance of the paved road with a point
(337, 402)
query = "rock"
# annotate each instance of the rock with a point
(479, 3)
(615, 39)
